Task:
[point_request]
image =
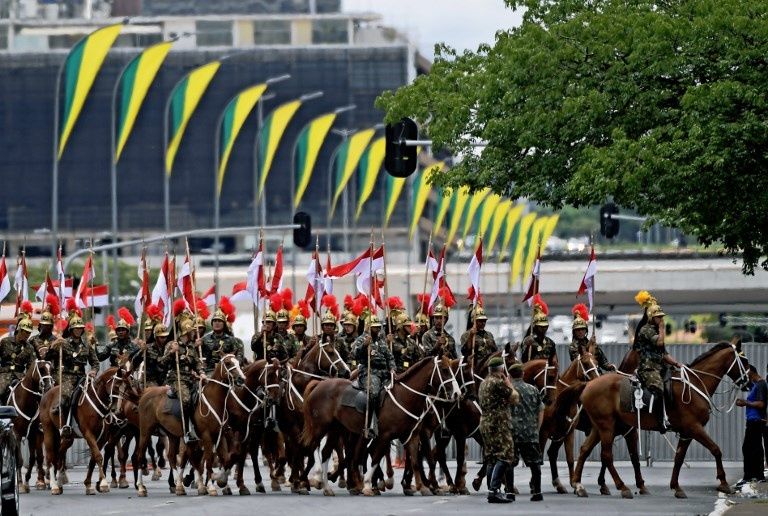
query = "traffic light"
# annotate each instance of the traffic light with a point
(302, 236)
(609, 226)
(400, 159)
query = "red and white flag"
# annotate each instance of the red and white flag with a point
(240, 292)
(45, 288)
(327, 280)
(161, 295)
(255, 279)
(438, 275)
(474, 274)
(209, 296)
(533, 284)
(62, 283)
(315, 283)
(96, 296)
(20, 283)
(588, 281)
(5, 282)
(184, 283)
(277, 274)
(82, 287)
(143, 297)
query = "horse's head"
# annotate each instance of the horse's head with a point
(464, 373)
(587, 365)
(542, 375)
(443, 381)
(739, 370)
(43, 374)
(230, 366)
(324, 359)
(270, 381)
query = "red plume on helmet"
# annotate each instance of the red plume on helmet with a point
(154, 312)
(27, 307)
(61, 325)
(275, 302)
(329, 301)
(395, 303)
(357, 308)
(126, 315)
(179, 306)
(202, 309)
(363, 300)
(349, 301)
(423, 300)
(111, 322)
(447, 296)
(226, 306)
(72, 307)
(581, 310)
(287, 295)
(538, 301)
(89, 327)
(53, 304)
(304, 308)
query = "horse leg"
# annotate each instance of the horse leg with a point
(96, 455)
(586, 448)
(89, 489)
(49, 441)
(606, 457)
(477, 483)
(325, 457)
(552, 453)
(460, 480)
(413, 447)
(145, 437)
(389, 483)
(682, 448)
(41, 484)
(631, 439)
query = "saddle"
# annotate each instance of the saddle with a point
(173, 403)
(354, 397)
(633, 395)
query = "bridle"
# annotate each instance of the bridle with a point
(45, 381)
(739, 383)
(322, 353)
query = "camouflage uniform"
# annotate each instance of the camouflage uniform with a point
(14, 359)
(651, 366)
(344, 345)
(38, 341)
(525, 422)
(75, 355)
(114, 350)
(215, 346)
(431, 347)
(545, 350)
(406, 351)
(294, 344)
(496, 420)
(382, 362)
(576, 347)
(484, 345)
(188, 363)
(154, 372)
(275, 346)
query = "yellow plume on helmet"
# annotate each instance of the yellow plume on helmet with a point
(645, 299)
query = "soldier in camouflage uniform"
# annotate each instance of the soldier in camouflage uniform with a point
(298, 340)
(496, 394)
(382, 367)
(478, 340)
(346, 339)
(274, 341)
(654, 359)
(201, 326)
(283, 319)
(16, 353)
(538, 345)
(436, 341)
(405, 349)
(422, 321)
(122, 347)
(76, 353)
(42, 341)
(154, 372)
(526, 420)
(580, 344)
(219, 342)
(190, 368)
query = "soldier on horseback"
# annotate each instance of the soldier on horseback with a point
(184, 369)
(283, 319)
(154, 371)
(649, 343)
(220, 341)
(123, 346)
(16, 353)
(422, 321)
(478, 340)
(382, 366)
(329, 329)
(75, 354)
(346, 339)
(436, 341)
(299, 339)
(42, 341)
(405, 349)
(580, 343)
(268, 338)
(538, 345)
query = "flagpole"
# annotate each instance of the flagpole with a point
(143, 316)
(386, 289)
(255, 304)
(91, 274)
(591, 305)
(369, 337)
(535, 291)
(426, 274)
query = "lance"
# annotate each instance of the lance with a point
(426, 275)
(533, 310)
(143, 316)
(170, 281)
(369, 336)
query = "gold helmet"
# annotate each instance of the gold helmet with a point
(374, 321)
(25, 324)
(187, 326)
(540, 311)
(219, 315)
(161, 330)
(112, 335)
(328, 318)
(122, 323)
(655, 311)
(149, 324)
(200, 322)
(299, 320)
(350, 318)
(580, 316)
(46, 318)
(269, 316)
(479, 314)
(76, 322)
(440, 311)
(422, 320)
(402, 320)
(282, 315)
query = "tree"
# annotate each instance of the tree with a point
(659, 105)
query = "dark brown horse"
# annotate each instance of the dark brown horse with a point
(25, 398)
(688, 409)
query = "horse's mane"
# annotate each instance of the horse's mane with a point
(411, 371)
(717, 347)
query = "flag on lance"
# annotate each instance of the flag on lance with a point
(82, 287)
(161, 296)
(474, 274)
(96, 296)
(438, 277)
(240, 292)
(20, 283)
(533, 284)
(255, 281)
(5, 282)
(62, 283)
(277, 274)
(143, 297)
(588, 281)
(315, 283)
(45, 288)
(184, 283)
(361, 267)
(52, 287)
(209, 296)
(327, 280)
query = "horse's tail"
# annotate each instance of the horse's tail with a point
(567, 399)
(307, 434)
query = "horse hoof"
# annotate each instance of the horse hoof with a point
(40, 485)
(56, 490)
(222, 482)
(367, 491)
(581, 492)
(605, 491)
(113, 484)
(244, 491)
(142, 492)
(104, 487)
(259, 488)
(626, 494)
(226, 491)
(189, 478)
(408, 492)
(161, 462)
(679, 493)
(315, 483)
(212, 491)
(380, 485)
(180, 491)
(342, 483)
(281, 479)
(389, 483)
(424, 491)
(643, 490)
(89, 490)
(328, 492)
(464, 491)
(725, 488)
(476, 484)
(24, 488)
(354, 492)
(123, 483)
(275, 486)
(559, 486)
(157, 475)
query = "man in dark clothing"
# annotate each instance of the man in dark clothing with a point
(752, 448)
(526, 421)
(382, 367)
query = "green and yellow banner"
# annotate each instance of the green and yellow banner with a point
(444, 203)
(80, 70)
(422, 186)
(459, 204)
(519, 255)
(347, 158)
(534, 244)
(368, 172)
(308, 147)
(474, 203)
(510, 223)
(393, 189)
(235, 115)
(184, 100)
(272, 132)
(497, 221)
(487, 212)
(549, 229)
(137, 77)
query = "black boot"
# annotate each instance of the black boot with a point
(373, 428)
(494, 496)
(66, 418)
(661, 416)
(509, 481)
(190, 434)
(536, 484)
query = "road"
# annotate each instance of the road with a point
(698, 481)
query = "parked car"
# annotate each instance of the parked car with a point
(9, 455)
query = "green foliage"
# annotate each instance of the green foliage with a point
(659, 105)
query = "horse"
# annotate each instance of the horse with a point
(401, 413)
(689, 408)
(92, 415)
(25, 397)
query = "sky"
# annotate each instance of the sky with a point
(462, 24)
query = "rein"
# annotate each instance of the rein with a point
(689, 387)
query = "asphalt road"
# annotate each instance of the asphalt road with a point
(698, 481)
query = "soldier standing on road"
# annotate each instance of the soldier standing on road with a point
(436, 341)
(478, 340)
(752, 447)
(382, 367)
(538, 345)
(496, 394)
(16, 353)
(580, 343)
(526, 420)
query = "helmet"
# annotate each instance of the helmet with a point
(402, 320)
(112, 335)
(25, 324)
(374, 322)
(199, 321)
(328, 318)
(479, 314)
(299, 320)
(219, 315)
(422, 319)
(46, 318)
(149, 324)
(270, 316)
(440, 311)
(579, 323)
(187, 326)
(161, 330)
(350, 318)
(282, 315)
(122, 323)
(655, 311)
(76, 322)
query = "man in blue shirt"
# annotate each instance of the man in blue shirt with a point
(752, 448)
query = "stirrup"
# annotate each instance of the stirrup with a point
(66, 431)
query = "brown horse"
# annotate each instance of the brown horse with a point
(405, 404)
(25, 398)
(93, 417)
(688, 410)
